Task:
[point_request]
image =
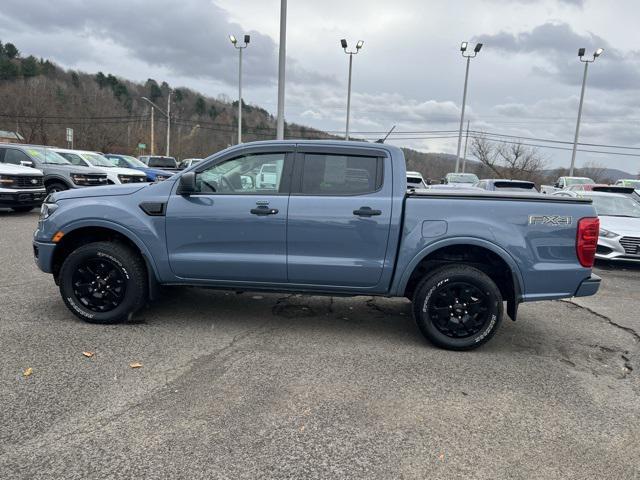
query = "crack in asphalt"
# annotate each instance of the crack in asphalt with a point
(629, 330)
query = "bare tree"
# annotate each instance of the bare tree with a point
(509, 160)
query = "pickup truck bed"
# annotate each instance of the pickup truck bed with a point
(338, 221)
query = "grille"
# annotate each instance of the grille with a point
(26, 181)
(631, 245)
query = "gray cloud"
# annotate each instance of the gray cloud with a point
(189, 37)
(558, 43)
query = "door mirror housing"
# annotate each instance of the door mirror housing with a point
(187, 184)
(27, 163)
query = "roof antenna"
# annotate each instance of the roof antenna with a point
(382, 140)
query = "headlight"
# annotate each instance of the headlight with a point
(6, 181)
(47, 208)
(80, 179)
(607, 234)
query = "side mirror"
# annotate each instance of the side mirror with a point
(187, 184)
(443, 181)
(557, 185)
(27, 163)
(428, 181)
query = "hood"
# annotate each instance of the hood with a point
(121, 171)
(11, 169)
(103, 191)
(625, 226)
(157, 171)
(73, 168)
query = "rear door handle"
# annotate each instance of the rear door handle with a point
(264, 210)
(367, 212)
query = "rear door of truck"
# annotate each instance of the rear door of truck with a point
(339, 216)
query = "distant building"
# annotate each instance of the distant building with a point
(10, 137)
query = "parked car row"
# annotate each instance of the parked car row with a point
(29, 172)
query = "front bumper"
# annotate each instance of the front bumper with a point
(43, 255)
(612, 249)
(588, 287)
(21, 198)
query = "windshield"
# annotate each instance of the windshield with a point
(46, 156)
(168, 162)
(462, 178)
(132, 161)
(614, 206)
(97, 160)
(578, 181)
(632, 183)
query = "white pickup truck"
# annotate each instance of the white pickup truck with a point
(564, 182)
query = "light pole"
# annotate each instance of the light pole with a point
(343, 44)
(586, 62)
(282, 59)
(234, 42)
(468, 56)
(167, 114)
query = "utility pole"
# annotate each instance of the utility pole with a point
(281, 69)
(152, 133)
(463, 49)
(168, 121)
(466, 140)
(586, 62)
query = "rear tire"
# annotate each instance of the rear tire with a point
(22, 209)
(56, 187)
(103, 282)
(457, 307)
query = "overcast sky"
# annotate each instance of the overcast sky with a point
(525, 81)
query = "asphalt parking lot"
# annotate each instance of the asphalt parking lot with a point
(278, 386)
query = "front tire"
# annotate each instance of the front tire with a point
(103, 282)
(457, 307)
(54, 187)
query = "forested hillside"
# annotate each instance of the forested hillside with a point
(40, 100)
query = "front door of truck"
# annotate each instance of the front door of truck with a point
(234, 227)
(339, 217)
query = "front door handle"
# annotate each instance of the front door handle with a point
(367, 212)
(264, 210)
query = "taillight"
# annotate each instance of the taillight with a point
(587, 240)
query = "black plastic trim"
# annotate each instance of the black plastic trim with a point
(154, 209)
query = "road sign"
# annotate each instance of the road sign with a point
(70, 137)
(142, 146)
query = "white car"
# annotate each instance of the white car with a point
(619, 216)
(415, 180)
(268, 176)
(21, 188)
(115, 175)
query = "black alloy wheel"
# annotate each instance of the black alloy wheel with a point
(459, 309)
(99, 284)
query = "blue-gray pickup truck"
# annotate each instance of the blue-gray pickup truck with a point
(335, 219)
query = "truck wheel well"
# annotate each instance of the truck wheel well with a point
(481, 258)
(82, 236)
(54, 180)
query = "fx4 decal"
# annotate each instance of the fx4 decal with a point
(551, 220)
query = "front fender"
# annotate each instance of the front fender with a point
(121, 229)
(403, 273)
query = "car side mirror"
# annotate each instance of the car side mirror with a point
(187, 184)
(27, 163)
(557, 185)
(443, 181)
(428, 181)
